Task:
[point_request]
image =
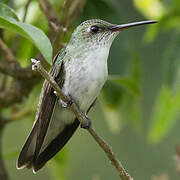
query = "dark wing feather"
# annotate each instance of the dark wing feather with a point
(45, 112)
(48, 135)
(58, 142)
(56, 145)
(47, 103)
(26, 155)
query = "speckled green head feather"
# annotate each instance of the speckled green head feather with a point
(93, 33)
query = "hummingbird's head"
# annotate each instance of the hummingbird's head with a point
(96, 33)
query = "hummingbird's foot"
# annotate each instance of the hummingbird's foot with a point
(88, 125)
(65, 104)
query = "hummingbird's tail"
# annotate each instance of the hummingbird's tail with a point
(49, 133)
(28, 157)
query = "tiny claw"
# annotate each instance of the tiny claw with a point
(88, 125)
(69, 103)
(66, 104)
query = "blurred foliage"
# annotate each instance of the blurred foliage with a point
(99, 9)
(122, 93)
(150, 8)
(166, 11)
(57, 166)
(166, 112)
(35, 35)
(167, 104)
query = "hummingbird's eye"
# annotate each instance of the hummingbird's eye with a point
(94, 29)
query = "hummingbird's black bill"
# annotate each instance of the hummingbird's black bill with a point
(129, 25)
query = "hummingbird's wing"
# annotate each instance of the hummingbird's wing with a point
(48, 135)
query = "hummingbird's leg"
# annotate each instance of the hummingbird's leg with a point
(65, 104)
(88, 125)
(62, 103)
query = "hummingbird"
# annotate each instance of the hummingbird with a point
(80, 69)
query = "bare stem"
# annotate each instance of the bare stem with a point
(51, 16)
(83, 120)
(26, 9)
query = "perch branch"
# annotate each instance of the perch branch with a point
(83, 120)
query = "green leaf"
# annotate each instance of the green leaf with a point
(35, 35)
(130, 84)
(7, 12)
(165, 114)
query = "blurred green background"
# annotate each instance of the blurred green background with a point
(137, 112)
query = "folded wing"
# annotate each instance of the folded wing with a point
(49, 134)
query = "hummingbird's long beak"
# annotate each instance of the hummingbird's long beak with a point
(129, 25)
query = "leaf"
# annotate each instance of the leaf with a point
(130, 84)
(7, 12)
(165, 114)
(32, 33)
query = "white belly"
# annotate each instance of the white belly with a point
(84, 78)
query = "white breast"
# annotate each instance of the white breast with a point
(85, 77)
